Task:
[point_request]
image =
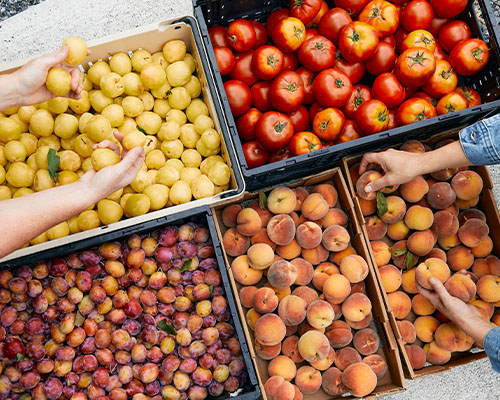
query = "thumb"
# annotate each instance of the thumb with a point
(56, 57)
(439, 288)
(378, 184)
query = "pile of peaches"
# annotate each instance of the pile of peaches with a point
(303, 289)
(429, 227)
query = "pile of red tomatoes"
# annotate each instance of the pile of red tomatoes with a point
(302, 92)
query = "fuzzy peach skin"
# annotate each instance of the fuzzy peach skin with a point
(281, 200)
(269, 330)
(432, 267)
(360, 379)
(314, 346)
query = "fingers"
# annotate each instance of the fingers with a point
(369, 158)
(56, 57)
(379, 184)
(118, 135)
(440, 290)
(431, 296)
(107, 144)
(76, 84)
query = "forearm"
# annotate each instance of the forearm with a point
(9, 92)
(477, 329)
(449, 156)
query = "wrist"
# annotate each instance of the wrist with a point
(10, 92)
(476, 328)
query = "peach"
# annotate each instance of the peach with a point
(300, 193)
(447, 242)
(308, 379)
(332, 382)
(335, 216)
(281, 229)
(425, 327)
(356, 307)
(484, 248)
(465, 204)
(360, 379)
(381, 252)
(246, 296)
(486, 266)
(354, 268)
(419, 218)
(267, 352)
(328, 192)
(298, 394)
(235, 243)
(368, 207)
(290, 348)
(472, 232)
(354, 173)
(292, 310)
(269, 330)
(326, 363)
(469, 214)
(486, 309)
(264, 214)
(306, 293)
(470, 274)
(413, 146)
(291, 330)
(281, 293)
(450, 337)
(461, 286)
(398, 230)
(243, 273)
(302, 219)
(445, 224)
(281, 200)
(400, 304)
(252, 317)
(365, 179)
(337, 257)
(358, 287)
(260, 256)
(314, 207)
(375, 227)
(336, 289)
(416, 355)
(290, 251)
(421, 242)
(436, 253)
(262, 237)
(432, 267)
(309, 235)
(306, 327)
(315, 256)
(283, 391)
(364, 323)
(272, 385)
(435, 354)
(377, 363)
(322, 272)
(282, 274)
(345, 357)
(414, 190)
(467, 185)
(391, 277)
(441, 195)
(488, 288)
(496, 318)
(339, 334)
(248, 222)
(459, 258)
(335, 238)
(320, 314)
(366, 341)
(265, 300)
(314, 346)
(443, 174)
(407, 331)
(453, 210)
(305, 271)
(408, 282)
(282, 366)
(421, 306)
(401, 256)
(229, 215)
(396, 209)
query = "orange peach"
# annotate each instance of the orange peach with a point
(377, 363)
(292, 310)
(472, 232)
(281, 229)
(345, 357)
(308, 379)
(300, 193)
(235, 243)
(282, 366)
(325, 363)
(291, 330)
(414, 190)
(248, 222)
(450, 337)
(267, 352)
(360, 379)
(407, 331)
(322, 272)
(314, 346)
(356, 307)
(470, 274)
(460, 257)
(337, 257)
(436, 253)
(335, 238)
(281, 200)
(469, 214)
(273, 384)
(375, 227)
(229, 215)
(252, 317)
(447, 242)
(290, 251)
(282, 274)
(358, 287)
(381, 252)
(445, 224)
(332, 382)
(398, 230)
(260, 256)
(320, 314)
(309, 235)
(368, 207)
(262, 237)
(496, 318)
(306, 293)
(281, 293)
(421, 306)
(284, 391)
(354, 268)
(328, 192)
(425, 327)
(488, 288)
(290, 348)
(269, 330)
(306, 327)
(314, 207)
(461, 286)
(243, 273)
(336, 288)
(396, 209)
(435, 354)
(467, 185)
(339, 334)
(408, 282)
(441, 195)
(265, 300)
(453, 210)
(401, 257)
(366, 341)
(264, 214)
(315, 256)
(391, 277)
(443, 174)
(364, 323)
(416, 355)
(432, 267)
(246, 296)
(305, 271)
(466, 204)
(484, 248)
(335, 216)
(365, 179)
(421, 242)
(400, 304)
(413, 146)
(486, 266)
(419, 218)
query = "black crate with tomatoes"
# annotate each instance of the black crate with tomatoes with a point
(310, 82)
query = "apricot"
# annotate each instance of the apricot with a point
(281, 200)
(315, 256)
(300, 193)
(262, 237)
(308, 379)
(314, 207)
(425, 327)
(335, 216)
(366, 341)
(243, 273)
(292, 310)
(335, 238)
(484, 248)
(322, 272)
(396, 209)
(338, 256)
(267, 352)
(282, 366)
(281, 229)
(246, 296)
(306, 293)
(467, 185)
(336, 289)
(269, 330)
(469, 214)
(408, 282)
(248, 222)
(377, 363)
(432, 267)
(400, 304)
(356, 307)
(345, 357)
(441, 195)
(290, 348)
(360, 379)
(368, 207)
(421, 242)
(381, 252)
(488, 288)
(391, 277)
(407, 331)
(459, 257)
(419, 218)
(332, 382)
(282, 274)
(314, 346)
(235, 243)
(398, 230)
(229, 215)
(414, 190)
(375, 227)
(435, 354)
(416, 355)
(290, 251)
(472, 232)
(309, 235)
(320, 314)
(421, 306)
(265, 300)
(365, 179)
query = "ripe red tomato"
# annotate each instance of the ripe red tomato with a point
(314, 109)
(279, 155)
(273, 130)
(372, 117)
(289, 34)
(225, 60)
(388, 89)
(443, 81)
(436, 24)
(316, 20)
(473, 98)
(414, 110)
(469, 57)
(311, 32)
(305, 10)
(238, 96)
(393, 123)
(399, 36)
(328, 124)
(358, 41)
(332, 88)
(307, 79)
(439, 53)
(453, 33)
(267, 62)
(419, 38)
(415, 66)
(260, 34)
(246, 124)
(241, 35)
(317, 53)
(382, 15)
(417, 14)
(422, 95)
(355, 71)
(255, 155)
(260, 95)
(287, 92)
(383, 60)
(391, 40)
(242, 69)
(448, 8)
(291, 62)
(353, 7)
(300, 119)
(359, 95)
(218, 36)
(304, 142)
(349, 132)
(333, 22)
(450, 103)
(274, 18)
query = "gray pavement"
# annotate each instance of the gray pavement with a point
(43, 28)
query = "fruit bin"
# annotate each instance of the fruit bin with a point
(150, 37)
(393, 380)
(488, 205)
(211, 12)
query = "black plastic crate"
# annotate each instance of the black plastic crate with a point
(201, 215)
(486, 82)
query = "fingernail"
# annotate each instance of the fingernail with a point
(368, 188)
(433, 280)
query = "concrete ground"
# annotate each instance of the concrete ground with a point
(43, 28)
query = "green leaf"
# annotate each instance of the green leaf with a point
(53, 162)
(389, 187)
(262, 200)
(27, 396)
(167, 327)
(211, 288)
(20, 357)
(381, 204)
(398, 252)
(409, 260)
(185, 266)
(142, 130)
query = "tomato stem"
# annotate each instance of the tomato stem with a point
(355, 37)
(382, 116)
(446, 74)
(478, 54)
(298, 33)
(298, 3)
(310, 145)
(375, 13)
(324, 125)
(279, 126)
(339, 83)
(450, 108)
(319, 46)
(271, 60)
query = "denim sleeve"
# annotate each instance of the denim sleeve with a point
(481, 141)
(492, 347)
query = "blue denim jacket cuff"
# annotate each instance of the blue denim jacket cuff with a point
(481, 141)
(492, 347)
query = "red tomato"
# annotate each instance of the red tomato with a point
(333, 22)
(311, 32)
(473, 98)
(242, 69)
(314, 109)
(419, 38)
(453, 33)
(305, 10)
(328, 124)
(246, 124)
(308, 79)
(439, 53)
(359, 95)
(267, 62)
(260, 34)
(289, 34)
(322, 11)
(382, 15)
(291, 62)
(349, 132)
(393, 123)
(436, 24)
(448, 8)
(300, 119)
(353, 7)
(238, 96)
(388, 89)
(443, 81)
(218, 36)
(304, 142)
(260, 95)
(274, 18)
(415, 66)
(332, 88)
(358, 41)
(372, 117)
(383, 60)
(469, 57)
(410, 91)
(422, 95)
(317, 53)
(414, 110)
(391, 40)
(241, 35)
(279, 155)
(225, 60)
(450, 103)
(287, 92)
(274, 130)
(417, 14)
(399, 36)
(355, 71)
(255, 155)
